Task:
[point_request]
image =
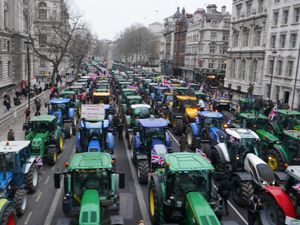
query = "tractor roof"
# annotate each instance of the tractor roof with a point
(103, 94)
(153, 122)
(134, 97)
(186, 161)
(13, 146)
(161, 88)
(240, 133)
(250, 115)
(295, 134)
(60, 100)
(67, 92)
(90, 160)
(43, 118)
(134, 106)
(294, 171)
(91, 125)
(180, 88)
(211, 114)
(75, 87)
(288, 112)
(186, 97)
(129, 89)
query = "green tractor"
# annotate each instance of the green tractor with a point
(46, 137)
(91, 188)
(286, 120)
(7, 213)
(121, 99)
(130, 100)
(182, 192)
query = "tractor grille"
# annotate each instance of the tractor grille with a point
(35, 150)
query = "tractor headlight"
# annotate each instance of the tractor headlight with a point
(237, 157)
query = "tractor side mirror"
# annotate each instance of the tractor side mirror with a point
(57, 180)
(121, 180)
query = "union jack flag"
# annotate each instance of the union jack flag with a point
(39, 161)
(297, 187)
(165, 82)
(273, 113)
(155, 158)
(200, 152)
(201, 88)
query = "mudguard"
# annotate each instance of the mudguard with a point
(222, 149)
(4, 203)
(29, 162)
(283, 200)
(195, 129)
(110, 141)
(216, 134)
(157, 182)
(71, 113)
(282, 151)
(244, 176)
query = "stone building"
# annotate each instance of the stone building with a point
(248, 41)
(156, 29)
(13, 66)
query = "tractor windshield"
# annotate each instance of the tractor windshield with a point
(101, 99)
(212, 122)
(247, 145)
(61, 107)
(141, 112)
(7, 162)
(94, 133)
(169, 98)
(41, 126)
(265, 173)
(90, 179)
(189, 103)
(154, 133)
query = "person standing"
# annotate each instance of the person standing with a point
(254, 207)
(11, 135)
(224, 192)
(258, 105)
(120, 127)
(250, 91)
(27, 114)
(201, 105)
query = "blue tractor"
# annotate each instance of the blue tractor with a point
(65, 111)
(207, 128)
(18, 173)
(149, 145)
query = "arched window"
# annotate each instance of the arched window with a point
(42, 11)
(242, 71)
(6, 15)
(233, 65)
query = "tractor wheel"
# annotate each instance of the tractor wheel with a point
(179, 127)
(9, 216)
(52, 156)
(241, 191)
(274, 160)
(20, 201)
(155, 209)
(190, 138)
(60, 143)
(217, 161)
(31, 179)
(271, 213)
(142, 171)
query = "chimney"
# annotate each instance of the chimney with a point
(211, 8)
(223, 10)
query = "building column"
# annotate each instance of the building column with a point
(1, 14)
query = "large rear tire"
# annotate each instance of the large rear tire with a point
(217, 161)
(20, 201)
(179, 127)
(155, 209)
(9, 216)
(271, 213)
(31, 179)
(51, 156)
(142, 171)
(242, 191)
(274, 159)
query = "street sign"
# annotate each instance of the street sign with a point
(93, 112)
(291, 221)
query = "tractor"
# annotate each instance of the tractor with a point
(207, 128)
(121, 99)
(149, 145)
(94, 133)
(103, 97)
(46, 137)
(74, 101)
(286, 120)
(19, 173)
(130, 100)
(166, 106)
(184, 111)
(65, 113)
(182, 192)
(156, 96)
(8, 215)
(91, 189)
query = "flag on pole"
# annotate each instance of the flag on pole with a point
(273, 113)
(155, 158)
(165, 82)
(200, 152)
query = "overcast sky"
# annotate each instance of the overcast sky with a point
(108, 17)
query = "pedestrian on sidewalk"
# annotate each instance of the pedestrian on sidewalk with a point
(120, 127)
(11, 135)
(27, 114)
(38, 104)
(182, 143)
(5, 109)
(224, 192)
(258, 105)
(254, 207)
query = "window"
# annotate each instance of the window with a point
(42, 11)
(212, 49)
(293, 40)
(245, 38)
(201, 49)
(227, 23)
(224, 64)
(233, 65)
(42, 40)
(254, 71)
(211, 64)
(5, 16)
(200, 63)
(271, 64)
(277, 92)
(235, 39)
(282, 40)
(285, 17)
(260, 6)
(248, 10)
(290, 66)
(213, 35)
(279, 67)
(257, 37)
(223, 49)
(238, 11)
(273, 41)
(9, 68)
(225, 36)
(275, 18)
(243, 69)
(297, 15)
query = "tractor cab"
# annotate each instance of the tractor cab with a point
(245, 105)
(221, 104)
(183, 91)
(101, 97)
(186, 106)
(158, 92)
(62, 109)
(131, 100)
(286, 120)
(126, 92)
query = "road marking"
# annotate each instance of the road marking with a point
(28, 218)
(138, 188)
(53, 168)
(47, 179)
(230, 204)
(39, 196)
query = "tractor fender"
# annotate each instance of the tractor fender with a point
(4, 203)
(216, 134)
(71, 113)
(29, 162)
(223, 151)
(141, 157)
(105, 124)
(156, 179)
(195, 129)
(283, 153)
(283, 200)
(244, 176)
(110, 141)
(137, 140)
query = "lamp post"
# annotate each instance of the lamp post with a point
(28, 43)
(274, 53)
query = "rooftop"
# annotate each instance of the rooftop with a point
(90, 160)
(153, 122)
(13, 146)
(44, 118)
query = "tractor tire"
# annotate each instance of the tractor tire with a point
(242, 191)
(31, 179)
(190, 138)
(179, 127)
(51, 156)
(271, 213)
(142, 171)
(274, 160)
(9, 216)
(155, 209)
(20, 201)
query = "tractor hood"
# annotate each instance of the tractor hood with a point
(201, 210)
(297, 127)
(58, 115)
(4, 182)
(266, 135)
(90, 208)
(38, 139)
(191, 112)
(295, 134)
(94, 146)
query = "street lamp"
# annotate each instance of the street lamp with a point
(274, 53)
(28, 43)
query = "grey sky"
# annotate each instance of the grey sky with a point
(107, 18)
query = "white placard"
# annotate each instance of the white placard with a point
(93, 112)
(291, 221)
